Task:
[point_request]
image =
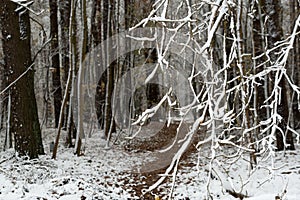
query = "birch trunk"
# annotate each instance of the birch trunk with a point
(80, 76)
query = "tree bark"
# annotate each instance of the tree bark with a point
(274, 29)
(25, 124)
(96, 22)
(65, 13)
(258, 49)
(55, 60)
(108, 13)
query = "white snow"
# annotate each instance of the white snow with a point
(105, 174)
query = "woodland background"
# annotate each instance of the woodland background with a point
(245, 94)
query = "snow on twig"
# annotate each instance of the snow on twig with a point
(25, 5)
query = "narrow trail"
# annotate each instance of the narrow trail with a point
(172, 138)
(163, 142)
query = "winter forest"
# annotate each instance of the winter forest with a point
(150, 99)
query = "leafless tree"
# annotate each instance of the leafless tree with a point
(25, 126)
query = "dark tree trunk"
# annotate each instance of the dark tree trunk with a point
(296, 60)
(128, 8)
(4, 110)
(65, 9)
(259, 49)
(100, 99)
(152, 90)
(96, 22)
(55, 60)
(283, 110)
(108, 18)
(109, 125)
(16, 44)
(274, 31)
(96, 30)
(3, 98)
(105, 19)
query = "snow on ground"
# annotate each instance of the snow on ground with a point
(105, 174)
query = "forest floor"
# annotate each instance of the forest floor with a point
(114, 173)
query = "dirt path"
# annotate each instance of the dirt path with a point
(166, 152)
(163, 145)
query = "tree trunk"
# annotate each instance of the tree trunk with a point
(296, 60)
(55, 60)
(108, 13)
(65, 13)
(96, 30)
(96, 22)
(258, 49)
(80, 76)
(16, 44)
(4, 103)
(275, 34)
(65, 9)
